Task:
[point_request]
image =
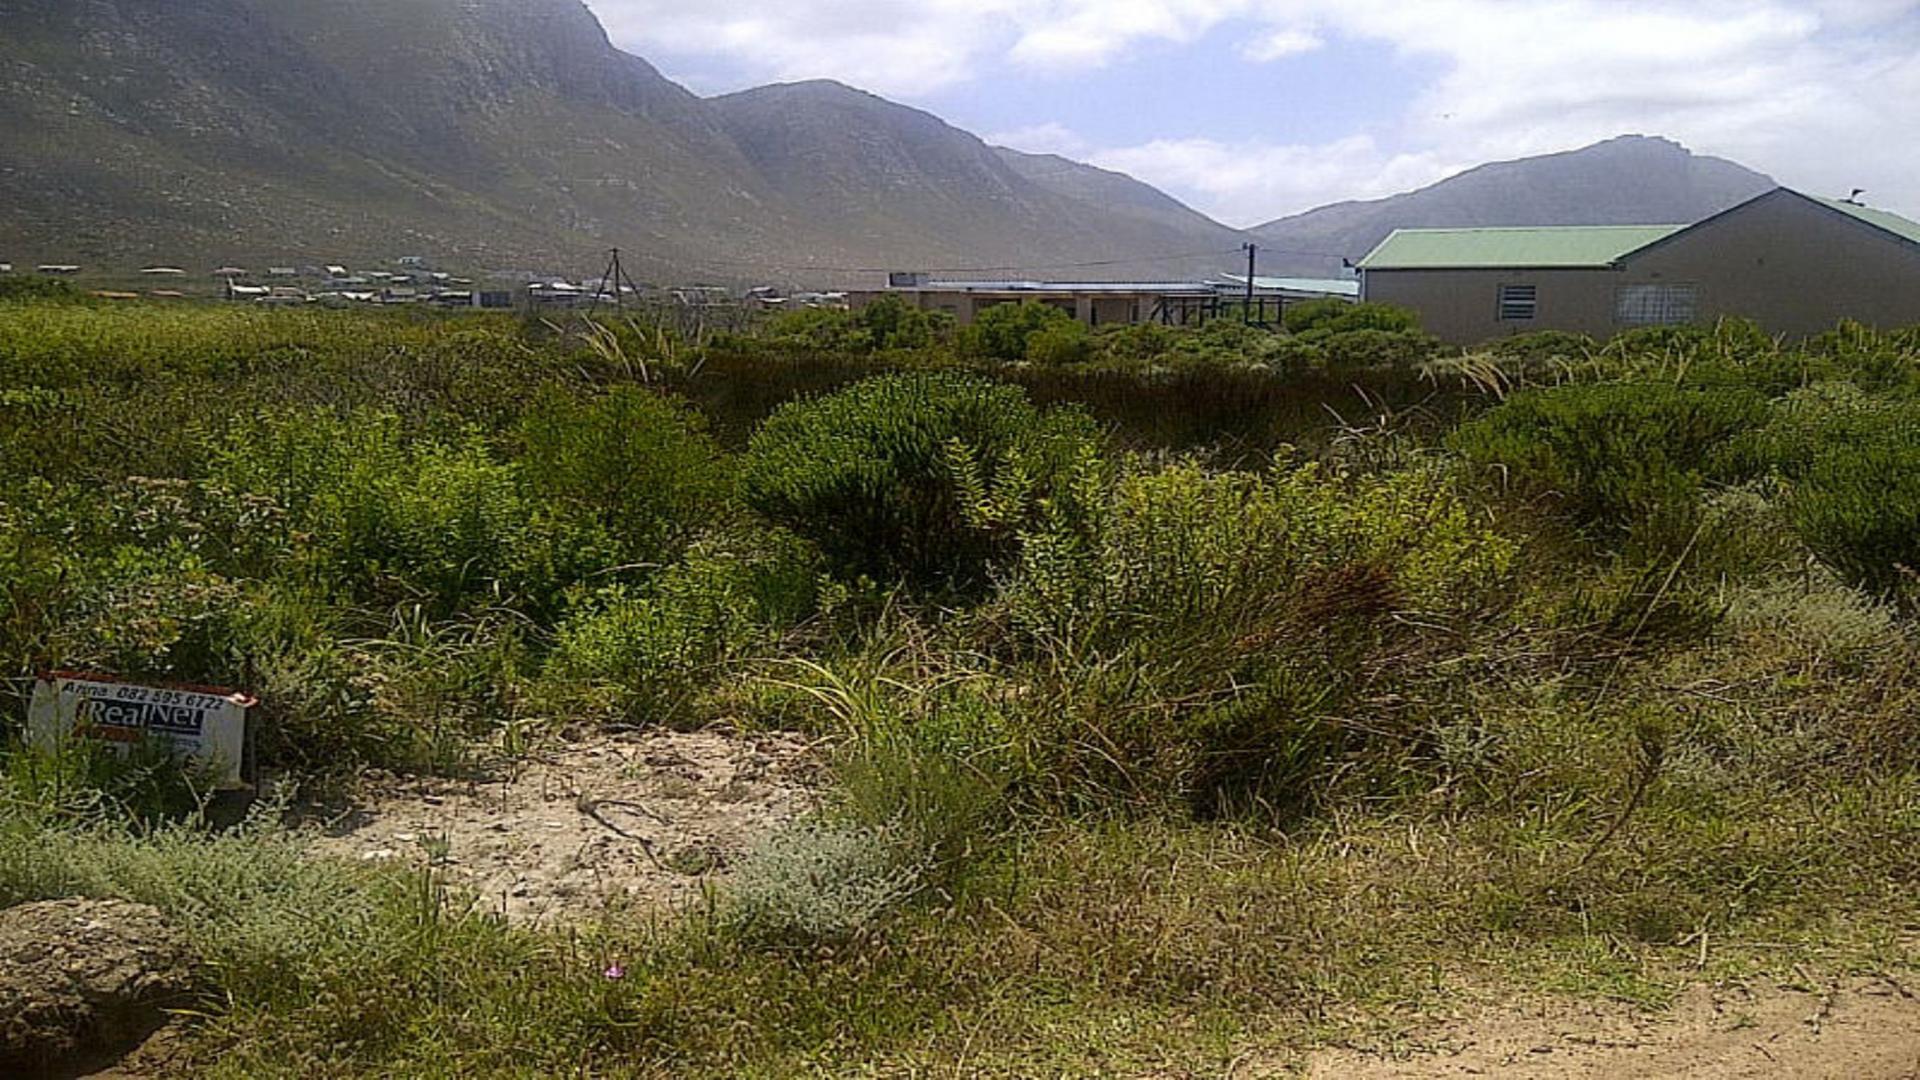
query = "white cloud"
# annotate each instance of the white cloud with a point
(1048, 138)
(1819, 92)
(888, 47)
(1249, 183)
(1280, 44)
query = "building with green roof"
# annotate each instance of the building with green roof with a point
(1796, 264)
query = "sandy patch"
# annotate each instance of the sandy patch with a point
(641, 820)
(1864, 1029)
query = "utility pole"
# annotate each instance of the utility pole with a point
(616, 274)
(1253, 253)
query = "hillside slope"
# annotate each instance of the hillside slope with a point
(502, 132)
(1631, 180)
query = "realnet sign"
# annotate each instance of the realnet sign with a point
(204, 725)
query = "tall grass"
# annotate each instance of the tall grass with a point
(1278, 676)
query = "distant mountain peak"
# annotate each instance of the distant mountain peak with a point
(1626, 180)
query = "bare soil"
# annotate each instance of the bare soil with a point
(84, 981)
(1862, 1029)
(642, 820)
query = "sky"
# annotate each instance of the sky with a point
(1250, 110)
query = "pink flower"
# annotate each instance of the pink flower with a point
(615, 971)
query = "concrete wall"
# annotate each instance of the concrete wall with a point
(1792, 265)
(1463, 306)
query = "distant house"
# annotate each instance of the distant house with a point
(335, 271)
(1796, 264)
(6, 268)
(163, 271)
(282, 271)
(1105, 303)
(230, 271)
(57, 269)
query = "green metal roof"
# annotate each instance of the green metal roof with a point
(1880, 219)
(1569, 246)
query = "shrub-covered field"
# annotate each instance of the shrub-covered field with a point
(1181, 693)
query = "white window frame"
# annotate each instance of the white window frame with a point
(1657, 303)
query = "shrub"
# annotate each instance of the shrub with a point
(1340, 317)
(637, 463)
(1002, 332)
(1215, 631)
(1136, 343)
(1542, 345)
(1181, 545)
(26, 288)
(887, 323)
(642, 654)
(819, 882)
(1618, 454)
(1858, 507)
(1847, 459)
(1872, 359)
(1060, 343)
(882, 474)
(1356, 350)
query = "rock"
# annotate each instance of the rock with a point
(82, 982)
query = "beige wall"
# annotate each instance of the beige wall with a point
(1794, 266)
(1463, 306)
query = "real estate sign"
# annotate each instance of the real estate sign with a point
(203, 724)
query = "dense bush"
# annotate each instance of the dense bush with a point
(884, 475)
(1341, 316)
(35, 288)
(1248, 613)
(1002, 332)
(641, 654)
(1359, 350)
(1616, 454)
(1542, 345)
(1847, 459)
(886, 324)
(637, 464)
(1858, 507)
(1060, 342)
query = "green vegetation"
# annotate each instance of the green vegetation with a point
(1179, 694)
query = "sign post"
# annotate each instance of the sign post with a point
(203, 724)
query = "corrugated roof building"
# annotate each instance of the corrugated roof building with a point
(1794, 263)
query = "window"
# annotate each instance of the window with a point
(1656, 305)
(1519, 303)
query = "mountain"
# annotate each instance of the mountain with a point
(488, 132)
(1631, 180)
(890, 178)
(513, 134)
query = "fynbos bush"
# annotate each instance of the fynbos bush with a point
(1618, 454)
(869, 474)
(820, 881)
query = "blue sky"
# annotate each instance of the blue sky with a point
(1253, 109)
